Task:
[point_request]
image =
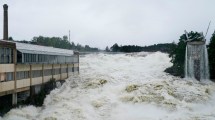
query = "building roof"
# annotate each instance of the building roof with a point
(38, 49)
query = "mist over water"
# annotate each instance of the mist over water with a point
(124, 87)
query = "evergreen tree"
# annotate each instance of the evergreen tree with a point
(178, 55)
(65, 38)
(115, 48)
(107, 49)
(211, 55)
(10, 39)
(59, 42)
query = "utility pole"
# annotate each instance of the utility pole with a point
(69, 35)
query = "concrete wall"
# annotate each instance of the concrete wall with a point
(64, 66)
(6, 68)
(6, 86)
(70, 65)
(63, 76)
(49, 66)
(22, 67)
(76, 65)
(56, 77)
(23, 83)
(56, 66)
(37, 67)
(36, 81)
(47, 78)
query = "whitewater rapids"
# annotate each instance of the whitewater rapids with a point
(124, 87)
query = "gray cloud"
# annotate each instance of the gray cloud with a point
(105, 22)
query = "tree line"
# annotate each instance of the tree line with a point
(59, 42)
(176, 52)
(165, 47)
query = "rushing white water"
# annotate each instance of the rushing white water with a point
(196, 62)
(124, 87)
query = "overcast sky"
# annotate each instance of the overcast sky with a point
(101, 23)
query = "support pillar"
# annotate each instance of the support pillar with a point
(52, 71)
(14, 99)
(32, 91)
(60, 71)
(67, 70)
(42, 74)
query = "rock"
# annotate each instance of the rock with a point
(207, 91)
(158, 87)
(131, 88)
(97, 104)
(102, 81)
(95, 83)
(50, 118)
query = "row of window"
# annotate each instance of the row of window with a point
(73, 69)
(35, 73)
(6, 76)
(38, 73)
(22, 75)
(70, 69)
(6, 55)
(47, 72)
(39, 58)
(30, 58)
(64, 70)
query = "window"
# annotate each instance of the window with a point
(51, 58)
(19, 57)
(29, 58)
(56, 71)
(9, 76)
(47, 72)
(63, 70)
(70, 69)
(2, 55)
(61, 59)
(6, 55)
(75, 69)
(2, 77)
(69, 59)
(22, 75)
(75, 60)
(36, 73)
(42, 58)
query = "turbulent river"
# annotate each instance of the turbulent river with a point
(124, 87)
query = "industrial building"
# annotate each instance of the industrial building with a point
(26, 67)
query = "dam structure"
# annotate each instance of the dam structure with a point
(25, 68)
(196, 59)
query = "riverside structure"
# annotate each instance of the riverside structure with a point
(196, 58)
(24, 68)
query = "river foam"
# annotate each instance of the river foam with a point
(124, 87)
